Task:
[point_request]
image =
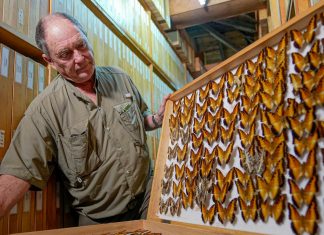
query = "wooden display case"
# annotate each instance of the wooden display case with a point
(189, 220)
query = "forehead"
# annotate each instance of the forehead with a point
(61, 31)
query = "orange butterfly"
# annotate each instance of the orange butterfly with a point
(187, 200)
(195, 157)
(249, 104)
(301, 196)
(299, 61)
(252, 91)
(247, 192)
(308, 36)
(316, 47)
(272, 160)
(305, 144)
(196, 141)
(247, 138)
(296, 81)
(224, 156)
(251, 80)
(230, 117)
(201, 109)
(176, 106)
(226, 213)
(233, 95)
(203, 93)
(294, 108)
(276, 210)
(229, 77)
(211, 136)
(301, 127)
(299, 170)
(239, 72)
(212, 120)
(181, 153)
(219, 193)
(179, 171)
(175, 207)
(189, 101)
(260, 58)
(168, 171)
(278, 122)
(280, 168)
(208, 215)
(177, 189)
(311, 80)
(210, 156)
(166, 186)
(270, 145)
(247, 119)
(269, 189)
(198, 126)
(313, 98)
(173, 121)
(191, 184)
(304, 223)
(191, 174)
(214, 104)
(221, 179)
(277, 61)
(205, 169)
(243, 178)
(249, 211)
(282, 45)
(216, 88)
(250, 67)
(315, 59)
(273, 100)
(268, 133)
(185, 118)
(227, 135)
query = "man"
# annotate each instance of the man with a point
(90, 123)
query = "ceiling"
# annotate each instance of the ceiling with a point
(218, 29)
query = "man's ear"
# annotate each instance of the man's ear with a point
(48, 60)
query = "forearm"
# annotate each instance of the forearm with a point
(12, 189)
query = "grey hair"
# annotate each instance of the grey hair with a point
(40, 29)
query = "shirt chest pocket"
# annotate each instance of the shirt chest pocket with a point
(127, 112)
(77, 155)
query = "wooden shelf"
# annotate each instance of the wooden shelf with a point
(20, 43)
(99, 12)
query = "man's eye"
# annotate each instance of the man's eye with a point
(82, 45)
(64, 55)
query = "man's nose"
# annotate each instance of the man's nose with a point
(78, 56)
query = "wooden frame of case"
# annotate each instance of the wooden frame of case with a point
(154, 223)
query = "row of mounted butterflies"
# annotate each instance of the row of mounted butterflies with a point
(251, 113)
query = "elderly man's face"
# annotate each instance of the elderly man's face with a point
(69, 51)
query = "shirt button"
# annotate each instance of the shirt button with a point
(107, 128)
(128, 172)
(79, 179)
(119, 148)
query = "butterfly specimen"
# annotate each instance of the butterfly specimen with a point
(205, 169)
(177, 189)
(219, 193)
(166, 186)
(184, 136)
(201, 109)
(294, 109)
(210, 156)
(299, 61)
(188, 102)
(270, 145)
(214, 104)
(311, 80)
(172, 152)
(247, 119)
(304, 223)
(249, 212)
(247, 138)
(271, 160)
(269, 189)
(226, 214)
(308, 36)
(277, 121)
(212, 136)
(230, 117)
(212, 119)
(315, 97)
(199, 125)
(251, 161)
(239, 72)
(196, 141)
(305, 144)
(246, 192)
(301, 196)
(181, 153)
(275, 99)
(251, 90)
(222, 180)
(249, 104)
(195, 157)
(227, 135)
(260, 58)
(164, 206)
(176, 106)
(299, 170)
(275, 60)
(185, 117)
(315, 59)
(243, 178)
(216, 88)
(233, 95)
(168, 171)
(175, 207)
(187, 199)
(174, 129)
(250, 66)
(275, 210)
(224, 155)
(208, 215)
(192, 174)
(269, 172)
(203, 93)
(179, 171)
(301, 127)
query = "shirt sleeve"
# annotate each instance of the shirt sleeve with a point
(29, 156)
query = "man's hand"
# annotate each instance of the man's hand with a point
(155, 121)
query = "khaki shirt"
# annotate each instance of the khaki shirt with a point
(100, 149)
